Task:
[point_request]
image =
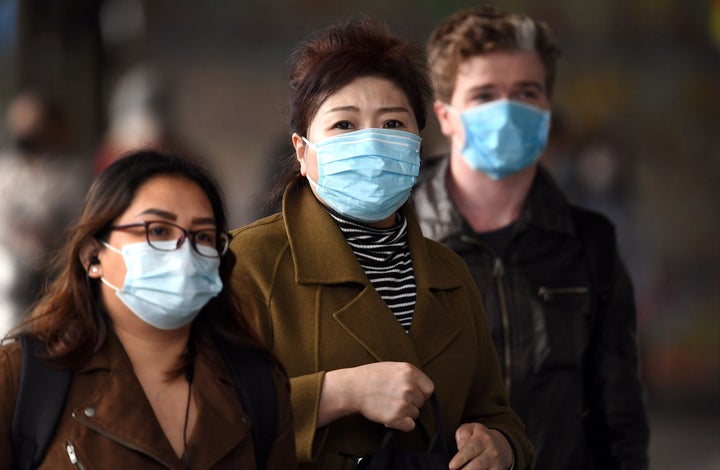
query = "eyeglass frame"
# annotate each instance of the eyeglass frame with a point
(187, 235)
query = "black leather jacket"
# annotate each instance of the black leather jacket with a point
(566, 340)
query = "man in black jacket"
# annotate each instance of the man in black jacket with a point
(558, 297)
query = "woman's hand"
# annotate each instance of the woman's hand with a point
(390, 393)
(481, 448)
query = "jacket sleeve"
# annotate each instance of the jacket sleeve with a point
(9, 386)
(617, 421)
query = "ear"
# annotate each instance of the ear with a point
(300, 148)
(89, 260)
(445, 118)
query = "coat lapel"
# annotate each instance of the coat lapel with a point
(119, 409)
(433, 328)
(369, 320)
(322, 256)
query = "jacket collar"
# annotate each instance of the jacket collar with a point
(544, 207)
(121, 411)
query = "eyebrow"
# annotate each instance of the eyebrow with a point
(531, 84)
(173, 217)
(389, 109)
(492, 86)
(479, 88)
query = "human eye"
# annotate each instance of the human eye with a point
(343, 125)
(206, 237)
(484, 96)
(528, 94)
(160, 231)
(393, 124)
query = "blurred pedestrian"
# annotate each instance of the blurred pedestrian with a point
(42, 183)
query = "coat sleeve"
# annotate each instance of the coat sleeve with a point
(282, 455)
(618, 426)
(304, 390)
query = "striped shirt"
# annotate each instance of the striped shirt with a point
(384, 255)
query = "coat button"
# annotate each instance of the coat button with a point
(89, 411)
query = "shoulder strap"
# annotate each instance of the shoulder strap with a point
(252, 374)
(39, 406)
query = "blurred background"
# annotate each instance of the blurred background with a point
(636, 134)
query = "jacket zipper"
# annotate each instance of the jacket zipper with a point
(499, 275)
(547, 293)
(73, 456)
(113, 438)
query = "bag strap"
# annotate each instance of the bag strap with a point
(40, 403)
(252, 373)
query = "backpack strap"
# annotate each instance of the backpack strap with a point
(40, 403)
(252, 373)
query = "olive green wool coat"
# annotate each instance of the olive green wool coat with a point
(318, 312)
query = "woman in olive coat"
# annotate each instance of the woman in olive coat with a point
(369, 317)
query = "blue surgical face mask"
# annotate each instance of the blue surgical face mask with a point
(368, 174)
(504, 136)
(166, 289)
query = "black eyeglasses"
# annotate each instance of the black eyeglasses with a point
(208, 242)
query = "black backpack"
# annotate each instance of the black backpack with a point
(43, 390)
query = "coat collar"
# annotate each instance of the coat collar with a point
(317, 244)
(322, 256)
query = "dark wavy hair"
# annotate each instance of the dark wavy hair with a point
(69, 317)
(331, 58)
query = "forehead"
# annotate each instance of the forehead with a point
(366, 92)
(170, 192)
(502, 69)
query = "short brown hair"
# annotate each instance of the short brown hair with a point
(482, 30)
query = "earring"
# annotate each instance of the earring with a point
(94, 269)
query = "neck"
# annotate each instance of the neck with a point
(487, 204)
(152, 351)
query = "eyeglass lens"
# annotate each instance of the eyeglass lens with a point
(208, 242)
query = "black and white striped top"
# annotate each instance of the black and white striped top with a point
(384, 255)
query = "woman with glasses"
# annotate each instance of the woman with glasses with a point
(368, 317)
(137, 310)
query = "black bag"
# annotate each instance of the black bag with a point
(389, 457)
